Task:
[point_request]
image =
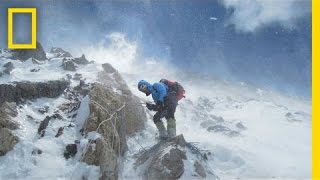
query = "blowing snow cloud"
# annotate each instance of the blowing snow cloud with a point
(249, 15)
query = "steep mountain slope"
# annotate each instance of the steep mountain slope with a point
(241, 131)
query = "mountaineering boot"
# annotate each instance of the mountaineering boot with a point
(162, 130)
(171, 127)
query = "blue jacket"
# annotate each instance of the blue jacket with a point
(158, 90)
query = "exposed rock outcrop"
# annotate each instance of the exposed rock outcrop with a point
(8, 68)
(7, 140)
(81, 60)
(59, 52)
(24, 54)
(112, 143)
(17, 91)
(68, 65)
(198, 168)
(164, 160)
(70, 151)
(134, 114)
(43, 125)
(7, 112)
(119, 114)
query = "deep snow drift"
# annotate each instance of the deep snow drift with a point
(250, 132)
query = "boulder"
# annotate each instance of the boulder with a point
(164, 160)
(24, 54)
(167, 166)
(7, 141)
(17, 91)
(7, 112)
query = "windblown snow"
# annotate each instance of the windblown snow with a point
(250, 133)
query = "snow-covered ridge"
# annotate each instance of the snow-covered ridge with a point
(54, 133)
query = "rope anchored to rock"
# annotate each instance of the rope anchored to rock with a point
(111, 116)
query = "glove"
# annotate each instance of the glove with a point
(151, 107)
(159, 106)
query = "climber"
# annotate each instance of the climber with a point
(165, 105)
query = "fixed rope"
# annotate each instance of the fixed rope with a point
(100, 124)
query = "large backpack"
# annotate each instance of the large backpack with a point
(174, 87)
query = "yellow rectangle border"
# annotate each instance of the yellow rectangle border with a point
(315, 90)
(33, 12)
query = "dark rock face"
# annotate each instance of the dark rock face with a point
(164, 160)
(7, 141)
(17, 91)
(43, 125)
(68, 65)
(59, 52)
(24, 54)
(70, 151)
(81, 60)
(60, 132)
(8, 67)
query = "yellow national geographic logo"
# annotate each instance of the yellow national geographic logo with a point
(33, 12)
